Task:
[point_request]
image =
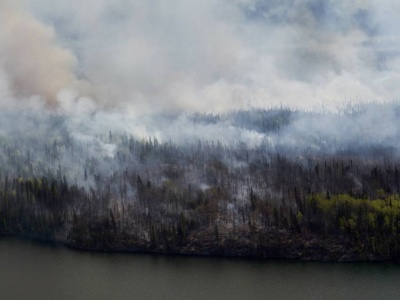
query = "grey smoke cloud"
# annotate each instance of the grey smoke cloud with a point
(211, 55)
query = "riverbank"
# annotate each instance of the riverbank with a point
(293, 249)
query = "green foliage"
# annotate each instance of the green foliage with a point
(365, 222)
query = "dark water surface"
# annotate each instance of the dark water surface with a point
(36, 271)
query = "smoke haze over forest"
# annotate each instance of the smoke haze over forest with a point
(147, 68)
(242, 127)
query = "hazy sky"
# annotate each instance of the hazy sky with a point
(209, 55)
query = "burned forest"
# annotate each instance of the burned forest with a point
(277, 184)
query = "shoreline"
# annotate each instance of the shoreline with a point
(137, 250)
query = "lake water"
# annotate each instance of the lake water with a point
(31, 270)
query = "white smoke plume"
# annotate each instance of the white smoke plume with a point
(142, 56)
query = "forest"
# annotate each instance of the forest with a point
(263, 183)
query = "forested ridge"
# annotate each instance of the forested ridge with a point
(117, 192)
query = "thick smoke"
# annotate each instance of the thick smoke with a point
(115, 65)
(217, 55)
